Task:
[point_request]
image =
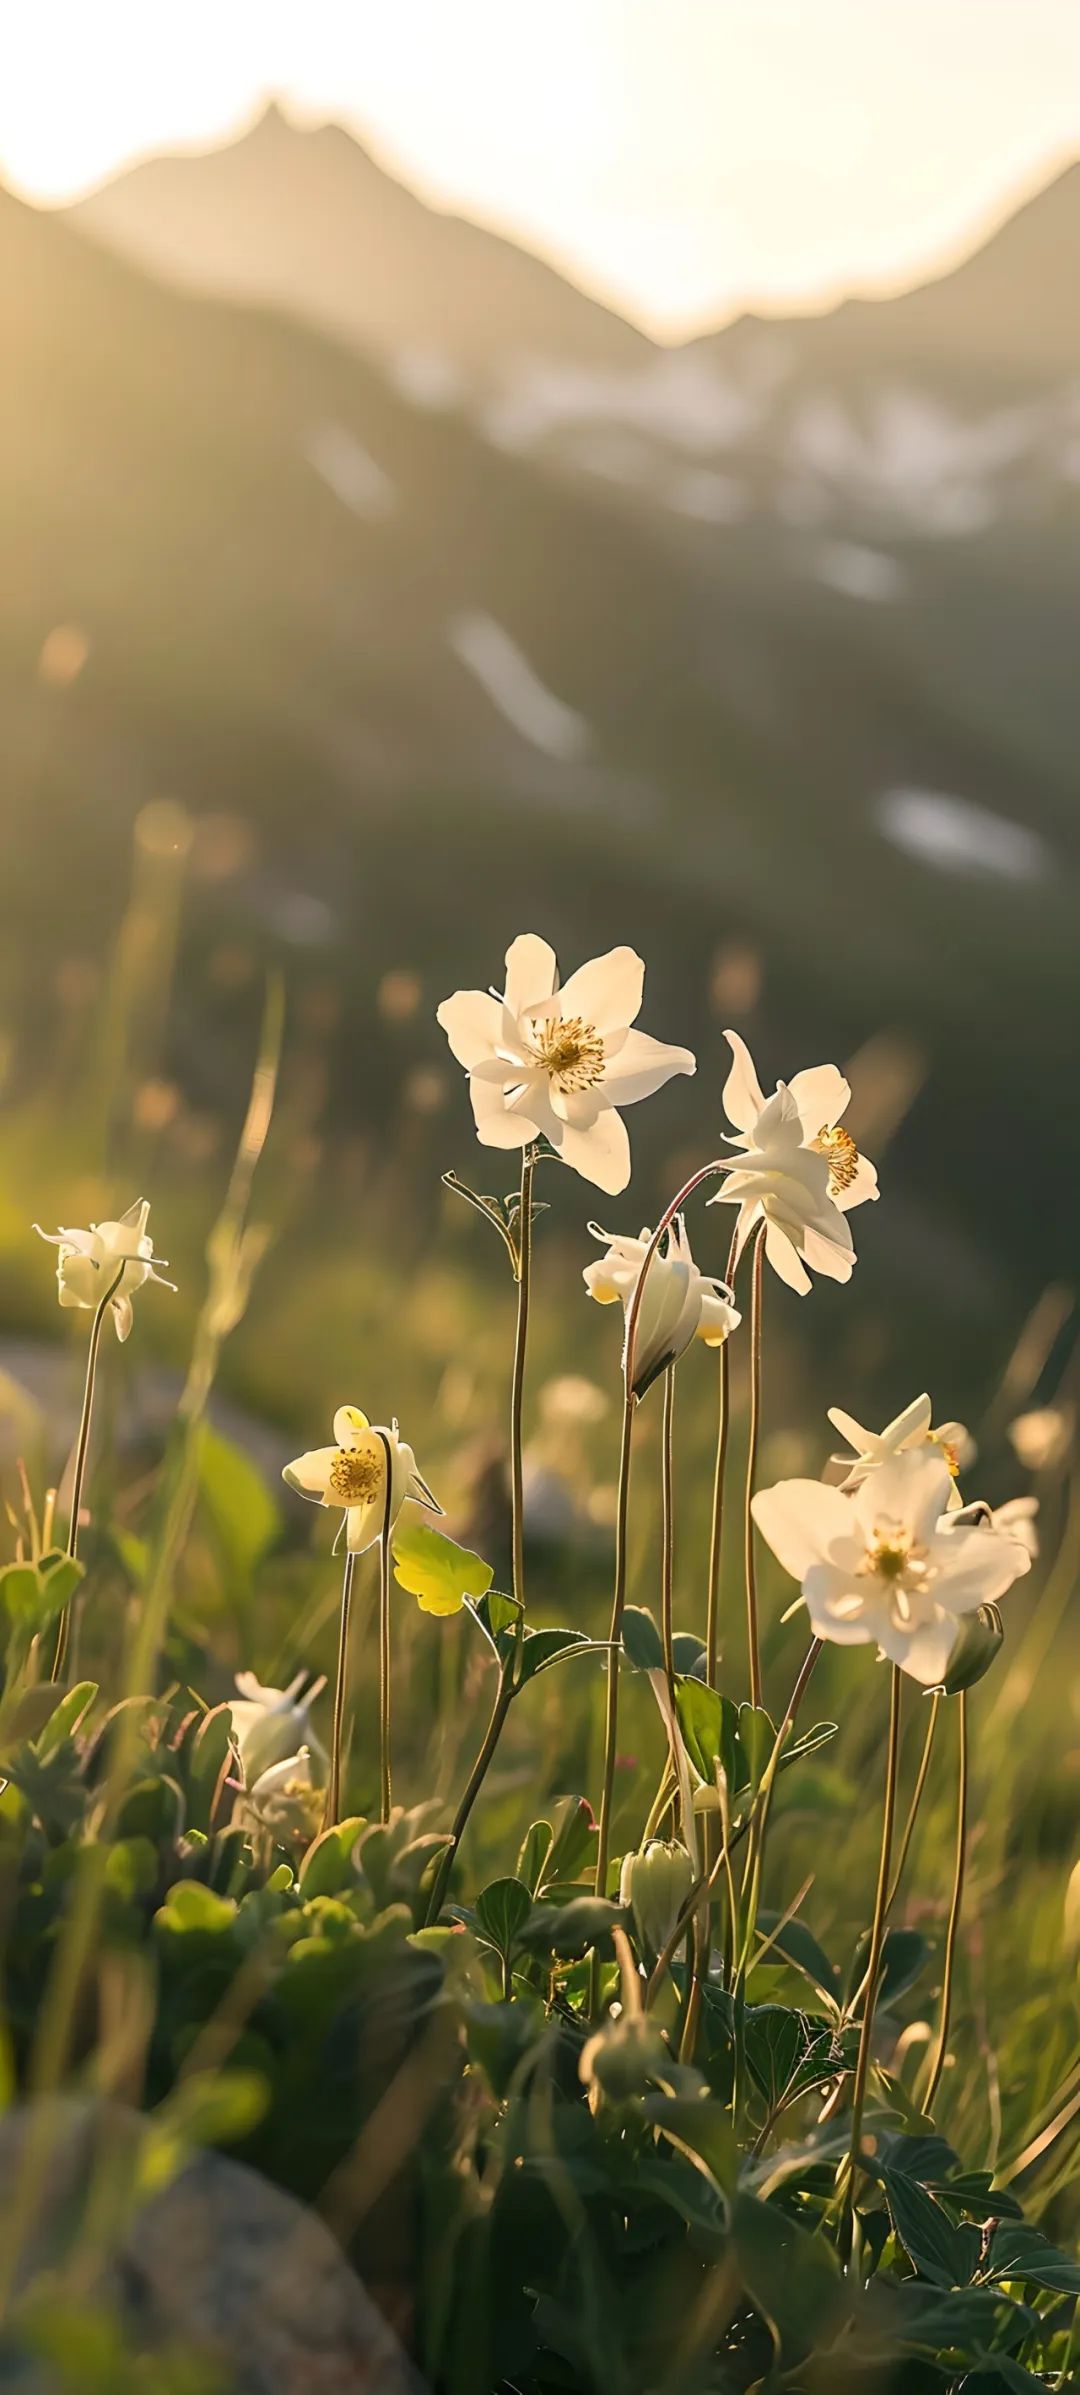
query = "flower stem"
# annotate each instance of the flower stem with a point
(332, 1813)
(757, 1294)
(523, 1276)
(941, 2049)
(667, 1528)
(471, 1791)
(63, 1629)
(873, 1967)
(611, 1727)
(716, 1526)
(384, 1636)
(916, 1798)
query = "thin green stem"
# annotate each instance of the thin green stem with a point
(877, 1940)
(385, 1798)
(757, 1294)
(952, 1932)
(332, 1813)
(716, 1525)
(471, 1791)
(82, 1447)
(667, 1529)
(523, 1276)
(916, 1799)
(611, 1724)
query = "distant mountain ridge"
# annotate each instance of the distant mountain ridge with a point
(926, 413)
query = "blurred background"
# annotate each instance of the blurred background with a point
(608, 470)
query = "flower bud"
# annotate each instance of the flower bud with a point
(655, 1884)
(624, 2059)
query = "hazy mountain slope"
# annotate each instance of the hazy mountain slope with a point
(307, 219)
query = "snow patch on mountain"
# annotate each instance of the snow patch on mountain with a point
(485, 647)
(349, 470)
(960, 836)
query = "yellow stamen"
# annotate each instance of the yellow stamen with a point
(570, 1051)
(356, 1474)
(948, 1451)
(840, 1153)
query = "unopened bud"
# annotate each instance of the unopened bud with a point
(655, 1884)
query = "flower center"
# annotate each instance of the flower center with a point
(902, 1564)
(841, 1155)
(570, 1051)
(356, 1474)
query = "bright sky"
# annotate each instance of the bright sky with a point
(682, 158)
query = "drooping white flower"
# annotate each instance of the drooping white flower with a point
(887, 1566)
(557, 1063)
(352, 1475)
(909, 1430)
(798, 1171)
(89, 1261)
(678, 1302)
(273, 1723)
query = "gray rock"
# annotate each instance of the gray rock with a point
(215, 2264)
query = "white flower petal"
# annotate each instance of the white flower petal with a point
(607, 992)
(784, 1260)
(349, 1425)
(828, 1592)
(862, 1185)
(472, 1022)
(801, 1520)
(743, 1097)
(498, 1125)
(642, 1065)
(601, 1155)
(822, 1095)
(910, 1489)
(532, 972)
(924, 1651)
(309, 1474)
(122, 1315)
(977, 1565)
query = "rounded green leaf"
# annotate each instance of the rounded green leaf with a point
(435, 1570)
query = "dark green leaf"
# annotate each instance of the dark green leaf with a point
(791, 2276)
(502, 1909)
(904, 1956)
(575, 1840)
(708, 1724)
(535, 1854)
(1018, 2251)
(688, 1653)
(571, 1929)
(757, 1738)
(329, 1867)
(66, 1717)
(976, 1649)
(798, 1946)
(542, 1648)
(642, 1643)
(941, 2252)
(701, 2129)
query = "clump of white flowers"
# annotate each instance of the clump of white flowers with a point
(796, 1170)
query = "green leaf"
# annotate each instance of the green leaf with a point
(535, 1853)
(798, 1946)
(700, 2128)
(214, 2107)
(211, 1749)
(542, 1648)
(941, 2252)
(708, 1725)
(688, 1652)
(822, 1734)
(791, 2276)
(435, 1570)
(757, 1738)
(1018, 2251)
(22, 1595)
(575, 1840)
(569, 1930)
(190, 1910)
(236, 1503)
(497, 1616)
(904, 1955)
(64, 1720)
(328, 1868)
(502, 1909)
(642, 1643)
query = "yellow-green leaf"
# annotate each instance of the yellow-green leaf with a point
(435, 1570)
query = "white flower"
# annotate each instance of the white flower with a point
(798, 1171)
(352, 1475)
(272, 1723)
(911, 1429)
(89, 1261)
(284, 1799)
(886, 1565)
(556, 1063)
(678, 1302)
